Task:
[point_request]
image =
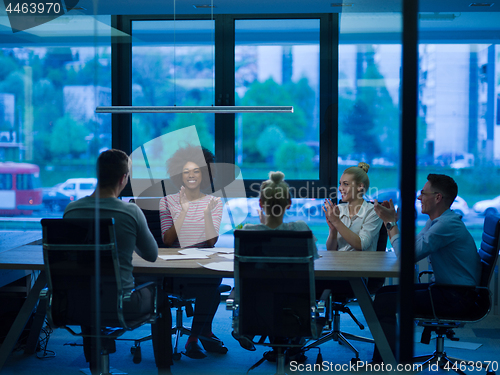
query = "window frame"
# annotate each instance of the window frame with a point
(224, 41)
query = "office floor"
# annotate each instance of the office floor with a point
(69, 358)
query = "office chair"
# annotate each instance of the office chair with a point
(274, 294)
(81, 291)
(150, 208)
(339, 305)
(444, 325)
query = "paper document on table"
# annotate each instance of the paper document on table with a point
(182, 257)
(227, 256)
(223, 250)
(219, 266)
(196, 252)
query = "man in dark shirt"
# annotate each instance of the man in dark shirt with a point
(132, 234)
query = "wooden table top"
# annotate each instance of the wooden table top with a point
(331, 263)
(12, 239)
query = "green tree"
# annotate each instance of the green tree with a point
(154, 84)
(378, 115)
(361, 128)
(68, 138)
(293, 125)
(268, 140)
(345, 144)
(201, 121)
(14, 84)
(7, 65)
(295, 158)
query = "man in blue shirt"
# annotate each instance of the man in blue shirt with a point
(451, 250)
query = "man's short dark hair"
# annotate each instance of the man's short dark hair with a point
(205, 160)
(445, 185)
(111, 166)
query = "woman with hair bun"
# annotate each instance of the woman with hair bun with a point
(274, 200)
(354, 225)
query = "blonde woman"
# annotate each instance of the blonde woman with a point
(354, 225)
(274, 200)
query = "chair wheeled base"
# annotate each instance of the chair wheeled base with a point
(341, 337)
(440, 358)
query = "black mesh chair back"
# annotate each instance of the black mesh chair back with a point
(84, 283)
(488, 252)
(80, 256)
(274, 284)
(150, 207)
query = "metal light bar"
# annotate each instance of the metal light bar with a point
(195, 109)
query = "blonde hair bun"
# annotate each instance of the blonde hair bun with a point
(276, 177)
(364, 166)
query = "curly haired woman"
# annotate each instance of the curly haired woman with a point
(191, 218)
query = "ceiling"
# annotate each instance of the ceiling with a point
(375, 21)
(128, 7)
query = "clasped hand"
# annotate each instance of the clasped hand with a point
(212, 203)
(386, 211)
(332, 213)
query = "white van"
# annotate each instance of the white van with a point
(78, 187)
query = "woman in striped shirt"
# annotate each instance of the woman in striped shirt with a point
(191, 218)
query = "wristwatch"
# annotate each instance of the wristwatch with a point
(390, 225)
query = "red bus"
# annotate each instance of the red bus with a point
(20, 189)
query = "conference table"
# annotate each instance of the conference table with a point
(352, 266)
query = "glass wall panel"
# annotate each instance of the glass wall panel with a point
(458, 123)
(277, 63)
(52, 77)
(369, 93)
(172, 64)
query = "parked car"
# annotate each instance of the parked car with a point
(78, 187)
(383, 162)
(488, 206)
(455, 160)
(55, 201)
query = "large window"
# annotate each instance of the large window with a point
(369, 93)
(172, 64)
(458, 105)
(50, 85)
(277, 63)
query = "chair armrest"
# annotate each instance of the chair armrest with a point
(127, 296)
(230, 300)
(325, 301)
(44, 293)
(145, 285)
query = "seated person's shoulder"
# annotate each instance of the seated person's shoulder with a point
(254, 227)
(298, 225)
(129, 208)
